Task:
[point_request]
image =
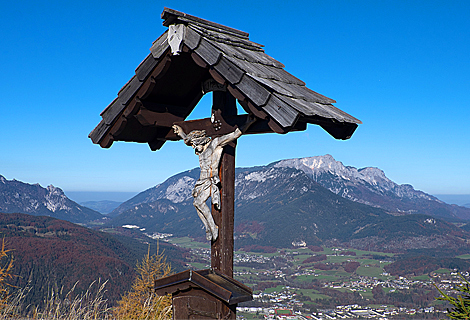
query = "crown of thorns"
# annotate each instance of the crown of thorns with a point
(196, 137)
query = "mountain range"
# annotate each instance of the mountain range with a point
(370, 186)
(20, 197)
(315, 200)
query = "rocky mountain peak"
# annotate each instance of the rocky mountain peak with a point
(315, 166)
(54, 190)
(322, 162)
(326, 163)
(367, 185)
(20, 197)
(373, 172)
(375, 176)
(56, 200)
(177, 189)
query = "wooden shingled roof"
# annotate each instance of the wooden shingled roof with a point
(168, 84)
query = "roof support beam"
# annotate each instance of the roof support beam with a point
(229, 124)
(160, 119)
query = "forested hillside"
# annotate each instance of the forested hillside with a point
(50, 253)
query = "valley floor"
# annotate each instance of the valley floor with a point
(335, 283)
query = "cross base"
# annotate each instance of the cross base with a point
(203, 294)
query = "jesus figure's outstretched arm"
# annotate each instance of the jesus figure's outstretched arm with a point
(225, 139)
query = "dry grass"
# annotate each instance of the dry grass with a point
(87, 306)
(14, 306)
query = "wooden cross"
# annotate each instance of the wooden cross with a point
(222, 248)
(164, 91)
(223, 121)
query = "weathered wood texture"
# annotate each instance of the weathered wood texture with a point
(222, 248)
(195, 303)
(224, 105)
(203, 294)
(213, 51)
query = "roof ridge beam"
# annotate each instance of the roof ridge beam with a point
(227, 38)
(171, 16)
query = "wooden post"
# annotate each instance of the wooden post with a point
(222, 248)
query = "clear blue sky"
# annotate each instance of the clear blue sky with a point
(402, 67)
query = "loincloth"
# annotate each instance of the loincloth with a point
(208, 184)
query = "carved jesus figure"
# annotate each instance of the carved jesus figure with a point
(209, 151)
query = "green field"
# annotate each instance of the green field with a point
(369, 271)
(423, 277)
(312, 294)
(248, 316)
(199, 266)
(442, 271)
(189, 243)
(274, 289)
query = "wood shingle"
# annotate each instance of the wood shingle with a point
(167, 86)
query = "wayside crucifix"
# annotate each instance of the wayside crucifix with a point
(194, 57)
(209, 152)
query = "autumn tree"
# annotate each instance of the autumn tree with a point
(141, 302)
(460, 303)
(5, 275)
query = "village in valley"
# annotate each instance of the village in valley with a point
(288, 286)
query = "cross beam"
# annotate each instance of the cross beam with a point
(224, 124)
